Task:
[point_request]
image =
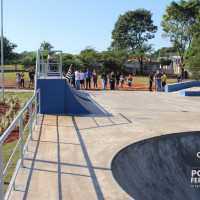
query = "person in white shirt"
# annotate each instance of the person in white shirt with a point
(49, 61)
(77, 80)
(82, 82)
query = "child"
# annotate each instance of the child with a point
(122, 79)
(18, 80)
(129, 81)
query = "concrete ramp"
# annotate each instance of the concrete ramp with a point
(57, 97)
(160, 168)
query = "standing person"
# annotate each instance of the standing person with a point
(106, 81)
(49, 61)
(164, 80)
(18, 80)
(31, 78)
(112, 81)
(82, 82)
(117, 77)
(103, 79)
(95, 76)
(22, 78)
(122, 79)
(109, 80)
(157, 78)
(150, 81)
(77, 80)
(129, 81)
(88, 75)
(73, 80)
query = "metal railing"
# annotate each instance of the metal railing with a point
(43, 66)
(33, 117)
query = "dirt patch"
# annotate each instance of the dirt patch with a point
(9, 110)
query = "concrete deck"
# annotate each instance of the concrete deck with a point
(70, 156)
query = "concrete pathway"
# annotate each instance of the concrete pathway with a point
(70, 156)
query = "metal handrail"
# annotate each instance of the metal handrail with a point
(19, 119)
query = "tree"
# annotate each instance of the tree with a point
(164, 52)
(179, 24)
(8, 50)
(29, 59)
(132, 30)
(89, 58)
(46, 46)
(69, 59)
(192, 57)
(114, 60)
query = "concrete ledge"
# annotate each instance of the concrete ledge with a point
(189, 93)
(180, 86)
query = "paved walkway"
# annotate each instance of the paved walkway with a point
(70, 156)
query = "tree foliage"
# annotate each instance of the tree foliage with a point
(192, 57)
(8, 48)
(132, 31)
(89, 58)
(164, 52)
(46, 46)
(114, 60)
(68, 60)
(180, 23)
(28, 59)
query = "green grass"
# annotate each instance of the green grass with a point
(13, 75)
(12, 67)
(8, 148)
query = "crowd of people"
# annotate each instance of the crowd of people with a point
(83, 80)
(20, 79)
(160, 79)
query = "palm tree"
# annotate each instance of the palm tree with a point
(46, 46)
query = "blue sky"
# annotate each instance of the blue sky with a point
(71, 25)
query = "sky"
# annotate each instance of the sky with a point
(72, 25)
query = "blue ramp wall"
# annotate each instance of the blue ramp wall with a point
(180, 86)
(57, 98)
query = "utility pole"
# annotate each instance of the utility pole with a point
(2, 64)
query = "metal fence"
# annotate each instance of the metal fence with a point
(33, 117)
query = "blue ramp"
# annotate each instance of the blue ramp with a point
(57, 98)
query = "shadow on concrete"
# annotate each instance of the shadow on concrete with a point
(160, 167)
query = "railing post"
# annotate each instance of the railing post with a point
(21, 140)
(39, 101)
(31, 119)
(36, 102)
(1, 174)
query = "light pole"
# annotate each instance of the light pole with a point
(2, 67)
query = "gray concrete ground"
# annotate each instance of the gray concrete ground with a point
(70, 156)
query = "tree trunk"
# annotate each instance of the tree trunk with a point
(182, 66)
(141, 64)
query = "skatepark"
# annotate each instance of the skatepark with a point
(122, 145)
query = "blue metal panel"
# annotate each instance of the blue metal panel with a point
(57, 98)
(180, 86)
(189, 93)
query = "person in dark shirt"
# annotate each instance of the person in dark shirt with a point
(150, 81)
(31, 78)
(73, 80)
(88, 76)
(117, 77)
(112, 81)
(157, 78)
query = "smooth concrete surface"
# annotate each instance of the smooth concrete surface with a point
(160, 167)
(70, 156)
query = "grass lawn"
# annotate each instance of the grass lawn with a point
(12, 67)
(8, 148)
